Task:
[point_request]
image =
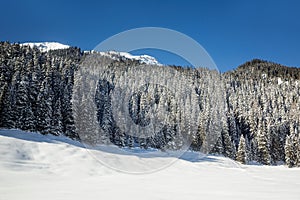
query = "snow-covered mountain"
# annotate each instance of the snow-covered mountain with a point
(146, 59)
(33, 166)
(142, 58)
(46, 46)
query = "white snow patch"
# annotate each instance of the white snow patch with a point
(46, 46)
(33, 166)
(146, 59)
(279, 81)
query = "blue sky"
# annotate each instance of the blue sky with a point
(232, 31)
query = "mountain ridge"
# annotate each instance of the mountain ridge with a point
(48, 46)
(256, 63)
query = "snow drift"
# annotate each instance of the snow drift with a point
(47, 167)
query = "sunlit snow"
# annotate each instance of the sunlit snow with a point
(46, 46)
(33, 166)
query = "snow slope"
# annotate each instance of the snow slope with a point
(146, 59)
(46, 46)
(33, 166)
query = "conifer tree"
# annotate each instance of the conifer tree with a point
(241, 153)
(263, 147)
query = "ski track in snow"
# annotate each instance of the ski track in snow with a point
(33, 166)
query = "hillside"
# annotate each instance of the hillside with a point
(249, 114)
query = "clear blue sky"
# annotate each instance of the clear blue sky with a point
(232, 31)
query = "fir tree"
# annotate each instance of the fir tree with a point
(241, 153)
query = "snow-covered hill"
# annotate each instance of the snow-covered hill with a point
(146, 59)
(46, 46)
(33, 166)
(142, 58)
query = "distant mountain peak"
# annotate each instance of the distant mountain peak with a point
(146, 59)
(46, 46)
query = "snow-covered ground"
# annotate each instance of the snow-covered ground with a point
(33, 166)
(46, 46)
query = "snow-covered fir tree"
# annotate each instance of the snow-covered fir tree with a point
(241, 152)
